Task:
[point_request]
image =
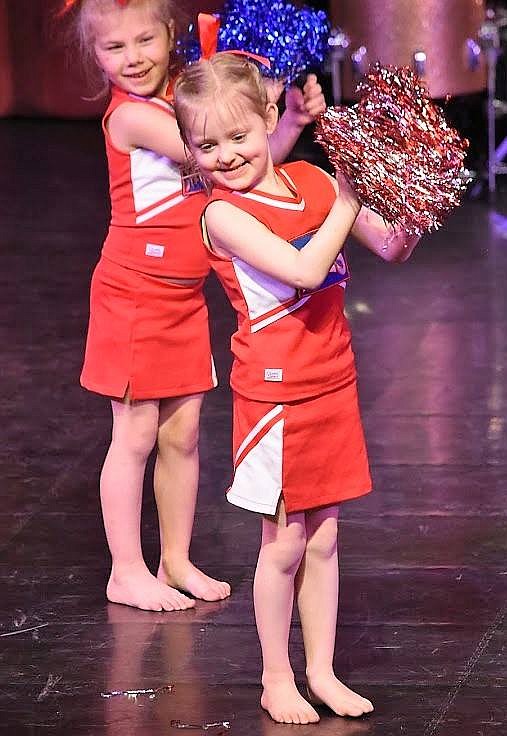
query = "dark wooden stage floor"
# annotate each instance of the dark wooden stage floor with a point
(423, 558)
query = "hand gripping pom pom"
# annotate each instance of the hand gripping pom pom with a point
(397, 150)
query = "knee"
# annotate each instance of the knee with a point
(138, 438)
(287, 549)
(178, 430)
(323, 543)
(181, 436)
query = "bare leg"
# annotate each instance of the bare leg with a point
(176, 482)
(121, 486)
(317, 597)
(282, 547)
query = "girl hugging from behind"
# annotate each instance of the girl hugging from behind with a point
(148, 348)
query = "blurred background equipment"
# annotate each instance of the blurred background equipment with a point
(437, 38)
(454, 45)
(493, 29)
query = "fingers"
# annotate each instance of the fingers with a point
(314, 100)
(311, 79)
(306, 104)
(315, 107)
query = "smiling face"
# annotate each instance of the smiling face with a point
(229, 141)
(133, 48)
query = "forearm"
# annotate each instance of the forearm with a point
(316, 258)
(399, 247)
(302, 106)
(234, 233)
(393, 245)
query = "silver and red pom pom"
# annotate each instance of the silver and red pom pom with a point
(395, 147)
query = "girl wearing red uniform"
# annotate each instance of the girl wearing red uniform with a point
(148, 343)
(274, 236)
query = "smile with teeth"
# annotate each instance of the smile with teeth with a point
(232, 169)
(139, 75)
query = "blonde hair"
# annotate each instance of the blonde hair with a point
(87, 17)
(214, 78)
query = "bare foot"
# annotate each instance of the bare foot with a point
(136, 586)
(284, 703)
(327, 689)
(186, 576)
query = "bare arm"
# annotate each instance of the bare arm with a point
(301, 108)
(144, 126)
(233, 232)
(393, 245)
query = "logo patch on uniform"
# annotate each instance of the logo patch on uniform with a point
(157, 251)
(273, 374)
(338, 273)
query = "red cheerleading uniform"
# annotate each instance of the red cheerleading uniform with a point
(148, 337)
(154, 227)
(297, 428)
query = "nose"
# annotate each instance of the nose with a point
(226, 154)
(133, 54)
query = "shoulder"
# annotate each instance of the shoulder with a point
(226, 227)
(223, 212)
(132, 109)
(144, 123)
(225, 217)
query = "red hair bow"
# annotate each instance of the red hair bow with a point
(208, 26)
(69, 4)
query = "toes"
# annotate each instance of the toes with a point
(198, 584)
(296, 718)
(357, 707)
(153, 606)
(216, 592)
(211, 595)
(355, 710)
(341, 699)
(220, 588)
(226, 589)
(178, 602)
(170, 606)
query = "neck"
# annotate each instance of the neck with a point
(271, 183)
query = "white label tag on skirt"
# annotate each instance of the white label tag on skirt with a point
(154, 250)
(273, 374)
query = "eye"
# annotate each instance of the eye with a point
(239, 137)
(206, 147)
(147, 39)
(113, 47)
